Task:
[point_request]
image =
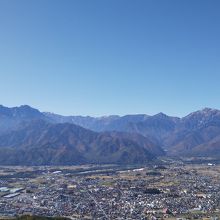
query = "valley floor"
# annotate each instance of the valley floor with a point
(171, 190)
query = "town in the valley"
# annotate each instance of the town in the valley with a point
(169, 190)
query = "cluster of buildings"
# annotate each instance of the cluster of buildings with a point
(147, 193)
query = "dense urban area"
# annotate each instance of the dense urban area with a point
(172, 190)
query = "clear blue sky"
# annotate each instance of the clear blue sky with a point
(101, 57)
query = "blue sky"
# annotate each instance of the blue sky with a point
(101, 57)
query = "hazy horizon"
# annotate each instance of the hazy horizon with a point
(99, 116)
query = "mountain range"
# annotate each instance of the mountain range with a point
(31, 137)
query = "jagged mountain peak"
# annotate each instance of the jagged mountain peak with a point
(160, 115)
(201, 117)
(26, 107)
(22, 108)
(204, 112)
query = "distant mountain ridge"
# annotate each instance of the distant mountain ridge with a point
(42, 143)
(35, 139)
(196, 134)
(138, 137)
(105, 123)
(11, 118)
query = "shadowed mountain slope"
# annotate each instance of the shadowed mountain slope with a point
(190, 135)
(43, 143)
